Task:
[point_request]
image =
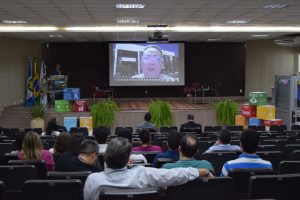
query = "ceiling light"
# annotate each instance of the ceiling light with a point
(130, 5)
(14, 21)
(27, 28)
(213, 39)
(55, 36)
(127, 20)
(237, 21)
(274, 6)
(259, 35)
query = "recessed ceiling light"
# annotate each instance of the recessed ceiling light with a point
(274, 6)
(14, 21)
(259, 35)
(55, 36)
(127, 20)
(213, 39)
(130, 5)
(238, 21)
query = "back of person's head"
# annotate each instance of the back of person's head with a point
(189, 145)
(73, 144)
(61, 142)
(19, 139)
(117, 153)
(101, 134)
(125, 133)
(174, 140)
(249, 141)
(51, 126)
(190, 117)
(147, 117)
(88, 147)
(224, 136)
(32, 145)
(145, 136)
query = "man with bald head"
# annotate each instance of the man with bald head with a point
(188, 148)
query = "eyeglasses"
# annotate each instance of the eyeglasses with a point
(154, 58)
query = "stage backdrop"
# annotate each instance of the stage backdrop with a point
(220, 66)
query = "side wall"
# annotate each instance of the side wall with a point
(14, 54)
(264, 60)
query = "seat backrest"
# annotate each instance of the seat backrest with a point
(149, 155)
(111, 193)
(2, 191)
(203, 146)
(235, 128)
(81, 175)
(212, 129)
(295, 127)
(257, 128)
(39, 165)
(280, 143)
(269, 147)
(217, 159)
(48, 143)
(6, 148)
(279, 128)
(289, 149)
(296, 155)
(10, 156)
(84, 131)
(279, 187)
(53, 190)
(161, 161)
(168, 129)
(202, 188)
(275, 157)
(289, 167)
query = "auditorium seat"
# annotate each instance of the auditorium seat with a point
(203, 146)
(6, 148)
(295, 128)
(14, 178)
(275, 157)
(168, 129)
(296, 155)
(279, 187)
(161, 161)
(98, 93)
(289, 149)
(267, 148)
(202, 188)
(279, 128)
(258, 128)
(81, 175)
(112, 193)
(39, 165)
(235, 129)
(289, 167)
(53, 190)
(280, 143)
(119, 128)
(149, 155)
(2, 191)
(10, 156)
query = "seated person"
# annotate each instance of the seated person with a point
(190, 125)
(101, 134)
(60, 145)
(32, 149)
(18, 142)
(223, 143)
(125, 133)
(173, 153)
(52, 127)
(188, 148)
(146, 143)
(118, 175)
(248, 159)
(87, 159)
(146, 124)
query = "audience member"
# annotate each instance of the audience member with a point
(146, 124)
(146, 142)
(19, 141)
(173, 153)
(52, 128)
(118, 175)
(32, 149)
(190, 125)
(60, 145)
(101, 134)
(188, 148)
(249, 142)
(125, 133)
(223, 143)
(87, 159)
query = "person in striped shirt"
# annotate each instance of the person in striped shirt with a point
(249, 141)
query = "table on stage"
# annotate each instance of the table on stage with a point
(202, 91)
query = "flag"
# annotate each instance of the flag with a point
(43, 84)
(29, 85)
(36, 83)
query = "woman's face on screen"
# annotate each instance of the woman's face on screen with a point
(151, 63)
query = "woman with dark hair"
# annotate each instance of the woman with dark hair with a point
(60, 145)
(52, 127)
(32, 149)
(19, 141)
(146, 142)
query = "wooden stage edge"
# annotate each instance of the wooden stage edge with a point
(206, 117)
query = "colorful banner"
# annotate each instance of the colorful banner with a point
(36, 83)
(29, 94)
(43, 84)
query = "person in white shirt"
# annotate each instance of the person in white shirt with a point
(101, 134)
(118, 175)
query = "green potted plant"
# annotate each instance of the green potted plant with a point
(103, 113)
(161, 113)
(37, 113)
(225, 112)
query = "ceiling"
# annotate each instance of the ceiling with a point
(206, 13)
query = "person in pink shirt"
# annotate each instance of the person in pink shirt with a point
(146, 142)
(32, 149)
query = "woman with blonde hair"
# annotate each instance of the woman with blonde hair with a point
(32, 149)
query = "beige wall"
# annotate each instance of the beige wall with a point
(14, 54)
(264, 60)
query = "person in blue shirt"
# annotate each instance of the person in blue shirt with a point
(173, 153)
(223, 143)
(248, 159)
